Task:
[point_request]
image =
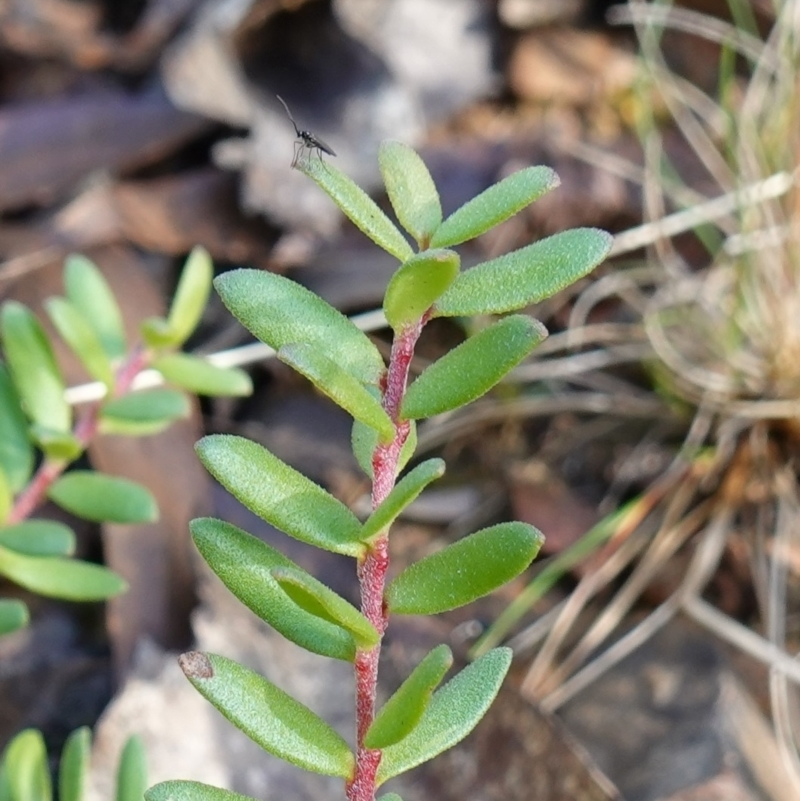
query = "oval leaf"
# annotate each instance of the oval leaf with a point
(464, 571)
(403, 711)
(191, 296)
(404, 493)
(74, 767)
(279, 312)
(132, 771)
(148, 406)
(98, 497)
(16, 452)
(68, 579)
(26, 769)
(245, 564)
(13, 615)
(364, 440)
(390, 797)
(271, 718)
(473, 368)
(358, 206)
(339, 385)
(82, 339)
(33, 367)
(525, 276)
(39, 538)
(417, 285)
(200, 377)
(453, 713)
(411, 190)
(280, 495)
(88, 290)
(495, 204)
(320, 601)
(191, 791)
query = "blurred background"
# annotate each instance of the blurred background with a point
(653, 437)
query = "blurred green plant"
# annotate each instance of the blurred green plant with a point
(25, 773)
(36, 416)
(421, 719)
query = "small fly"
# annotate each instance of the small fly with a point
(306, 141)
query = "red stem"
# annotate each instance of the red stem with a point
(84, 431)
(372, 568)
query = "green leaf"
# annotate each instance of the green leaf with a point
(415, 287)
(525, 276)
(356, 204)
(148, 406)
(364, 440)
(58, 446)
(403, 711)
(131, 428)
(191, 296)
(191, 791)
(404, 493)
(271, 718)
(74, 765)
(6, 498)
(89, 291)
(132, 771)
(54, 577)
(317, 599)
(468, 569)
(411, 190)
(98, 497)
(493, 205)
(200, 377)
(453, 713)
(33, 368)
(245, 564)
(25, 764)
(280, 495)
(390, 797)
(16, 452)
(339, 385)
(279, 312)
(82, 339)
(473, 368)
(39, 538)
(156, 333)
(13, 616)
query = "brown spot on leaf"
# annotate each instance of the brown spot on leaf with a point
(196, 665)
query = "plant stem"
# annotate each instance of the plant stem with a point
(84, 431)
(373, 567)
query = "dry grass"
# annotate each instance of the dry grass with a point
(723, 339)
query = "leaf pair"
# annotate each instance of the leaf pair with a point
(508, 283)
(295, 604)
(416, 202)
(33, 554)
(291, 731)
(281, 594)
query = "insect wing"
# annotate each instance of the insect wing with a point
(314, 141)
